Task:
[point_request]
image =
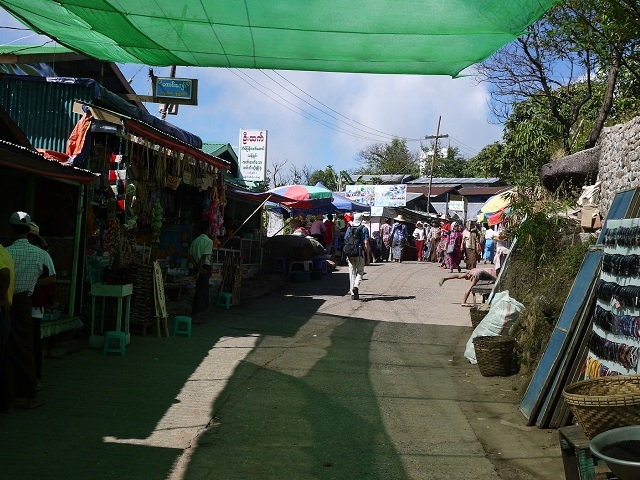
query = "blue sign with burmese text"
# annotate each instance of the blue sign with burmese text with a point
(174, 88)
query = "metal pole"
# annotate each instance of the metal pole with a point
(433, 161)
(165, 107)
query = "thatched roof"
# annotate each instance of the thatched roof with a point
(579, 169)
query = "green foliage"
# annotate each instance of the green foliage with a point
(451, 166)
(387, 159)
(488, 163)
(328, 177)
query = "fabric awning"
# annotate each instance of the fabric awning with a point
(426, 37)
(151, 133)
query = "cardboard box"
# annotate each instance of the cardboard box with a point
(591, 218)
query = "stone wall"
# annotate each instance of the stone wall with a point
(619, 165)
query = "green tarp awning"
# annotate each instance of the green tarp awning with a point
(428, 37)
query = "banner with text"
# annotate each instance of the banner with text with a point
(253, 155)
(377, 195)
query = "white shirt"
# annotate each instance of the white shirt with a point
(200, 246)
(489, 234)
(419, 233)
(28, 262)
(38, 312)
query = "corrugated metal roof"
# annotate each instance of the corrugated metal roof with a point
(435, 191)
(218, 149)
(18, 158)
(43, 110)
(457, 181)
(386, 179)
(467, 191)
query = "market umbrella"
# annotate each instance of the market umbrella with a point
(303, 197)
(498, 202)
(303, 192)
(343, 204)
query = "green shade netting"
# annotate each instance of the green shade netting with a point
(429, 37)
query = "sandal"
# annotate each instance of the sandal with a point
(441, 281)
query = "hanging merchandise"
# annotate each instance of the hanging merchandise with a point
(156, 221)
(614, 342)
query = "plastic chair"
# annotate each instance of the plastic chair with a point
(120, 337)
(224, 300)
(182, 326)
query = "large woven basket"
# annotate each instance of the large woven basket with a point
(604, 403)
(477, 314)
(494, 355)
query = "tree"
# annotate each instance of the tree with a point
(538, 69)
(328, 177)
(387, 159)
(567, 62)
(531, 137)
(611, 30)
(277, 175)
(487, 164)
(451, 165)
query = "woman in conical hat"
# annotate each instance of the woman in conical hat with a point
(398, 236)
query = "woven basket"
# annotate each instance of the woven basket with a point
(604, 403)
(494, 355)
(477, 315)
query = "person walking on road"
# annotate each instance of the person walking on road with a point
(200, 255)
(399, 236)
(19, 369)
(385, 240)
(357, 262)
(420, 236)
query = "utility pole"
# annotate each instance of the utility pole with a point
(165, 107)
(433, 160)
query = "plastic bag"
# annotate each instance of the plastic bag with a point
(503, 313)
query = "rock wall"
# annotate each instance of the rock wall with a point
(619, 165)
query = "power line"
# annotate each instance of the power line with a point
(302, 113)
(331, 109)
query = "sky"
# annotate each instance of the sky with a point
(316, 119)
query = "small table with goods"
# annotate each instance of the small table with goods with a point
(120, 292)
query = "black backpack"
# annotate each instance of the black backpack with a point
(353, 242)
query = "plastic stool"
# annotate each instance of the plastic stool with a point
(224, 300)
(182, 321)
(113, 335)
(319, 264)
(280, 265)
(305, 266)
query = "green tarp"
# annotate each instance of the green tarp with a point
(428, 37)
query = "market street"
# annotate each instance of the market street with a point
(299, 383)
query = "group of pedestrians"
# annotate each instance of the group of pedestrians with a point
(27, 277)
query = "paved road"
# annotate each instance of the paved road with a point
(300, 383)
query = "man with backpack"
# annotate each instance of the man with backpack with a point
(356, 249)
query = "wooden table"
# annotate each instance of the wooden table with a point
(578, 462)
(120, 292)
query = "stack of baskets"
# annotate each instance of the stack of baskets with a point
(477, 314)
(604, 403)
(494, 355)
